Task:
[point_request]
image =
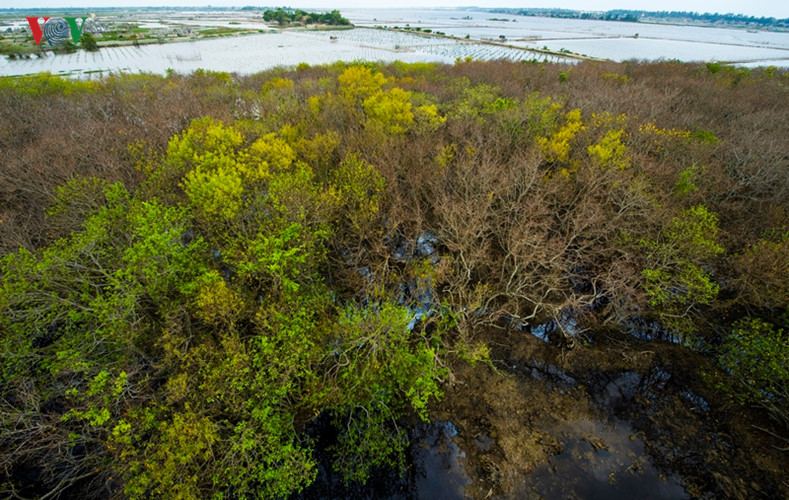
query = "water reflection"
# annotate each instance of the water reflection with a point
(439, 473)
(603, 460)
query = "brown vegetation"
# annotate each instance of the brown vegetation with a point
(495, 195)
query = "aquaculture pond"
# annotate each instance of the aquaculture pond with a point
(617, 41)
(259, 52)
(517, 38)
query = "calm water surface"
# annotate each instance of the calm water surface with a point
(248, 54)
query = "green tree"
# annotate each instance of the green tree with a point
(756, 355)
(68, 47)
(677, 281)
(88, 42)
(192, 333)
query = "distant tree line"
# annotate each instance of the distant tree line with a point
(695, 16)
(298, 16)
(642, 15)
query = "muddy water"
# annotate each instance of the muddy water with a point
(619, 418)
(598, 460)
(538, 432)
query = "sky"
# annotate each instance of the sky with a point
(766, 8)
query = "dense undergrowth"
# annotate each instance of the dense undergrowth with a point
(195, 268)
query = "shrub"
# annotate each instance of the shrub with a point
(88, 42)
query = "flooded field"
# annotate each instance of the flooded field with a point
(515, 40)
(617, 41)
(254, 53)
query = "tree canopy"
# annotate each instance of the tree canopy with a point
(300, 17)
(226, 262)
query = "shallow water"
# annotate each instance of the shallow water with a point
(439, 473)
(605, 39)
(615, 422)
(599, 460)
(613, 414)
(259, 52)
(650, 49)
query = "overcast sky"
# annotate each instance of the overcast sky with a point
(767, 8)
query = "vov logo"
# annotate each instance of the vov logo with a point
(56, 29)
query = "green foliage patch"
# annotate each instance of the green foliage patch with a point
(206, 291)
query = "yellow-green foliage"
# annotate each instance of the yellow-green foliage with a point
(756, 354)
(415, 69)
(606, 120)
(99, 397)
(170, 465)
(687, 181)
(651, 129)
(265, 154)
(557, 147)
(317, 150)
(273, 151)
(659, 140)
(359, 83)
(446, 155)
(278, 83)
(357, 188)
(610, 152)
(44, 84)
(207, 146)
(207, 142)
(375, 346)
(541, 113)
(476, 353)
(315, 256)
(215, 186)
(367, 98)
(427, 118)
(293, 193)
(677, 282)
(479, 101)
(694, 234)
(216, 302)
(615, 77)
(390, 110)
(215, 193)
(215, 270)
